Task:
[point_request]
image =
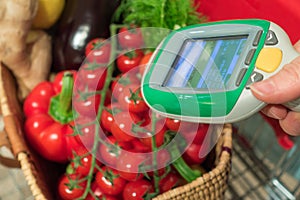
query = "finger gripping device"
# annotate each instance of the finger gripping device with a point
(202, 73)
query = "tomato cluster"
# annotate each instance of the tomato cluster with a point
(115, 135)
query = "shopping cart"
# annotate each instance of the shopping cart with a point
(265, 163)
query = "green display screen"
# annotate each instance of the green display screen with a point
(206, 63)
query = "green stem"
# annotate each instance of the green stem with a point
(154, 150)
(110, 69)
(60, 106)
(183, 169)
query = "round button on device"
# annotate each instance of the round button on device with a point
(269, 59)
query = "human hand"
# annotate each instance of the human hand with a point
(278, 89)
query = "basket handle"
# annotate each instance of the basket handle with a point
(6, 161)
(11, 111)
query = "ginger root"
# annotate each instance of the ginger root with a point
(26, 52)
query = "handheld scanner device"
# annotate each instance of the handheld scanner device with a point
(202, 73)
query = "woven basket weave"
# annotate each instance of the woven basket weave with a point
(41, 174)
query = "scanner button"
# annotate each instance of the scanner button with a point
(249, 56)
(255, 77)
(240, 76)
(269, 59)
(257, 38)
(271, 38)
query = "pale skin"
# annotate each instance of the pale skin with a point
(281, 88)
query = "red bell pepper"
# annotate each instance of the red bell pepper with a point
(49, 118)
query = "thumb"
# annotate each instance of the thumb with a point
(297, 46)
(281, 87)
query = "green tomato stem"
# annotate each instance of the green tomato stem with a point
(110, 69)
(154, 150)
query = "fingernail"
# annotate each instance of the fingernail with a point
(263, 88)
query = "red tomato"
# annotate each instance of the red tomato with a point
(137, 190)
(111, 150)
(129, 164)
(81, 162)
(137, 103)
(109, 181)
(124, 98)
(173, 124)
(144, 61)
(192, 154)
(130, 38)
(170, 181)
(86, 104)
(97, 192)
(107, 115)
(122, 81)
(139, 146)
(196, 135)
(98, 50)
(146, 135)
(85, 131)
(91, 75)
(70, 193)
(129, 60)
(121, 129)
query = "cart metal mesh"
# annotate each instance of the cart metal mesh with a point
(262, 167)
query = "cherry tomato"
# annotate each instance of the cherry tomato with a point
(137, 190)
(86, 104)
(195, 135)
(107, 115)
(146, 134)
(136, 102)
(144, 61)
(98, 50)
(111, 150)
(129, 165)
(121, 129)
(173, 124)
(170, 181)
(97, 192)
(85, 131)
(73, 192)
(109, 181)
(81, 162)
(129, 60)
(130, 38)
(192, 154)
(139, 146)
(92, 75)
(125, 97)
(122, 81)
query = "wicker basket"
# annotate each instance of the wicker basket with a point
(41, 174)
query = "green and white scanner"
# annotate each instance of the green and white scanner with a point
(202, 73)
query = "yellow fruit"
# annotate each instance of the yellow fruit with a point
(48, 13)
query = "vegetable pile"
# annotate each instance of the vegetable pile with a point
(96, 121)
